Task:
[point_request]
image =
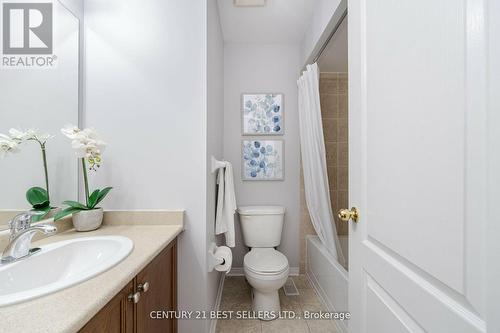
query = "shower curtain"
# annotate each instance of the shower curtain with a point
(312, 143)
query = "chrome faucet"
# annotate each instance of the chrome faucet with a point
(21, 234)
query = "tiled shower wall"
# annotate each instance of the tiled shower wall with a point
(333, 95)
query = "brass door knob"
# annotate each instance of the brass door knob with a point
(346, 214)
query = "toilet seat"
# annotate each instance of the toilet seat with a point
(265, 261)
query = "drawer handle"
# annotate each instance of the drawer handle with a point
(143, 287)
(135, 297)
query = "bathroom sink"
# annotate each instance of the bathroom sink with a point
(60, 265)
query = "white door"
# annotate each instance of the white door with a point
(421, 155)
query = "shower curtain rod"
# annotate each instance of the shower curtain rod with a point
(330, 36)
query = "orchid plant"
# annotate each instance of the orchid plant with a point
(88, 148)
(38, 197)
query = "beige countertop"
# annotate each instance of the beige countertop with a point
(69, 309)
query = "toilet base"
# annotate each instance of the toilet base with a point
(266, 305)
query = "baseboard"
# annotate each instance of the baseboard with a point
(213, 322)
(238, 271)
(294, 271)
(340, 325)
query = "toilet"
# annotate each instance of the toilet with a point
(266, 269)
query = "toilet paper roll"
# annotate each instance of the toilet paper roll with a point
(223, 252)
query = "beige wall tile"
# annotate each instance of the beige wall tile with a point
(342, 178)
(331, 153)
(343, 199)
(333, 198)
(328, 86)
(343, 228)
(342, 75)
(342, 106)
(329, 106)
(330, 130)
(332, 177)
(342, 153)
(343, 130)
(342, 84)
(329, 75)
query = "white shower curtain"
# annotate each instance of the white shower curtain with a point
(312, 144)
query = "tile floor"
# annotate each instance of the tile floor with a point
(236, 297)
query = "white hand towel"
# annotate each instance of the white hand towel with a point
(226, 204)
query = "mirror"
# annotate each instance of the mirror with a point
(39, 89)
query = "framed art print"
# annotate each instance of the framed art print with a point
(262, 159)
(262, 114)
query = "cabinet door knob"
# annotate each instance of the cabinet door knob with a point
(135, 297)
(143, 287)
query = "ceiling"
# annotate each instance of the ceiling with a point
(334, 57)
(280, 21)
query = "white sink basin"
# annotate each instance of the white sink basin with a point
(60, 265)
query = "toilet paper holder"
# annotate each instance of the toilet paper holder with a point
(212, 259)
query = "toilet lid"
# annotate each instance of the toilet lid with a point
(266, 260)
(261, 210)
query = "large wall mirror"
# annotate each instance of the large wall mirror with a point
(39, 92)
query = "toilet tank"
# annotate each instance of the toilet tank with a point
(261, 225)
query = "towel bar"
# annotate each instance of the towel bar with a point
(217, 164)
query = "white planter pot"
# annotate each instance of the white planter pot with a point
(88, 220)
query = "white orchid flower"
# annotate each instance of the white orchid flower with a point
(7, 145)
(18, 135)
(71, 131)
(30, 134)
(86, 144)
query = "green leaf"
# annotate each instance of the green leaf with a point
(102, 195)
(40, 217)
(38, 197)
(93, 199)
(42, 206)
(75, 204)
(65, 212)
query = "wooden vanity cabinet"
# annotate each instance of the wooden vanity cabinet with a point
(155, 289)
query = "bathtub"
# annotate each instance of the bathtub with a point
(328, 277)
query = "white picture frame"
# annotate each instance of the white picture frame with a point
(262, 159)
(262, 114)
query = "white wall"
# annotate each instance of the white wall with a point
(334, 57)
(75, 6)
(493, 208)
(215, 127)
(145, 91)
(264, 68)
(326, 13)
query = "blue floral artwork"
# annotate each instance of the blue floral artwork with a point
(262, 114)
(262, 160)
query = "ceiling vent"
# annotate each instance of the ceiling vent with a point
(249, 3)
